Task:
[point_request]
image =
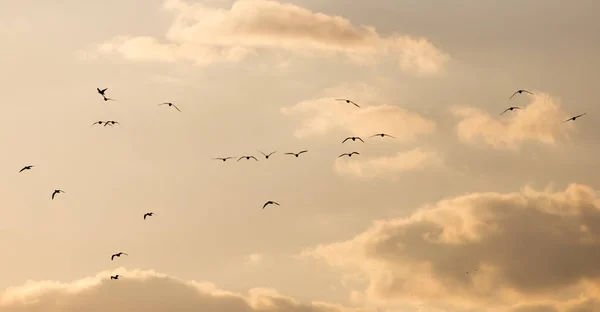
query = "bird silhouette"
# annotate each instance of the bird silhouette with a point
(270, 203)
(107, 99)
(170, 104)
(510, 109)
(349, 154)
(112, 123)
(573, 118)
(117, 255)
(382, 135)
(520, 92)
(347, 101)
(115, 277)
(99, 122)
(148, 214)
(297, 154)
(223, 158)
(353, 139)
(26, 168)
(247, 158)
(267, 155)
(56, 192)
(101, 91)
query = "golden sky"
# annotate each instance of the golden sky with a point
(509, 199)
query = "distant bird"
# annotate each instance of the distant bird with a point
(56, 192)
(270, 203)
(297, 154)
(353, 139)
(520, 92)
(349, 154)
(573, 118)
(347, 101)
(170, 104)
(148, 214)
(99, 122)
(510, 109)
(247, 158)
(101, 91)
(117, 255)
(111, 122)
(267, 155)
(116, 277)
(223, 158)
(107, 99)
(26, 168)
(382, 135)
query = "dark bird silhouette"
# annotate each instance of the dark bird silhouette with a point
(297, 154)
(247, 158)
(520, 92)
(99, 122)
(107, 99)
(270, 203)
(26, 168)
(510, 109)
(101, 91)
(112, 123)
(382, 135)
(170, 104)
(353, 139)
(573, 118)
(56, 192)
(223, 158)
(267, 155)
(148, 214)
(115, 277)
(347, 101)
(349, 154)
(117, 255)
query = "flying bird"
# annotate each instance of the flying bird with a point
(247, 158)
(382, 135)
(101, 91)
(116, 277)
(56, 192)
(117, 255)
(99, 122)
(510, 109)
(26, 168)
(170, 104)
(148, 214)
(353, 139)
(112, 123)
(297, 154)
(347, 101)
(267, 155)
(349, 154)
(520, 92)
(270, 203)
(573, 118)
(223, 158)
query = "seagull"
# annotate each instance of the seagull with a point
(510, 109)
(116, 277)
(353, 139)
(247, 158)
(573, 118)
(297, 154)
(112, 123)
(267, 155)
(270, 203)
(223, 158)
(520, 92)
(107, 99)
(347, 101)
(148, 214)
(99, 122)
(101, 91)
(26, 168)
(382, 135)
(56, 192)
(349, 154)
(170, 104)
(117, 255)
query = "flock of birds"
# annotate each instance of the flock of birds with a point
(102, 92)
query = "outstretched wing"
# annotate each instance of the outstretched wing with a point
(53, 193)
(112, 257)
(513, 95)
(346, 139)
(527, 92)
(265, 205)
(506, 110)
(302, 152)
(272, 153)
(240, 158)
(177, 108)
(360, 139)
(254, 158)
(343, 155)
(354, 104)
(263, 153)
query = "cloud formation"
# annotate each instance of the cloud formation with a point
(526, 247)
(206, 35)
(539, 121)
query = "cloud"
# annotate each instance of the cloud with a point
(386, 166)
(206, 35)
(526, 247)
(539, 121)
(324, 114)
(142, 290)
(254, 258)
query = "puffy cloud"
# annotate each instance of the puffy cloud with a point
(386, 166)
(518, 248)
(324, 114)
(207, 35)
(539, 121)
(141, 290)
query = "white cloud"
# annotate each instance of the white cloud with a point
(254, 259)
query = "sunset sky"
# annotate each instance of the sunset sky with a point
(511, 199)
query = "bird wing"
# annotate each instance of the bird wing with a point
(506, 110)
(254, 158)
(112, 257)
(54, 193)
(393, 137)
(343, 155)
(124, 254)
(240, 158)
(163, 104)
(527, 92)
(265, 205)
(302, 152)
(579, 115)
(262, 153)
(354, 104)
(289, 154)
(374, 135)
(340, 99)
(357, 153)
(513, 95)
(346, 139)
(272, 153)
(177, 108)
(23, 169)
(276, 203)
(360, 139)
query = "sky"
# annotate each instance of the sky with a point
(464, 209)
